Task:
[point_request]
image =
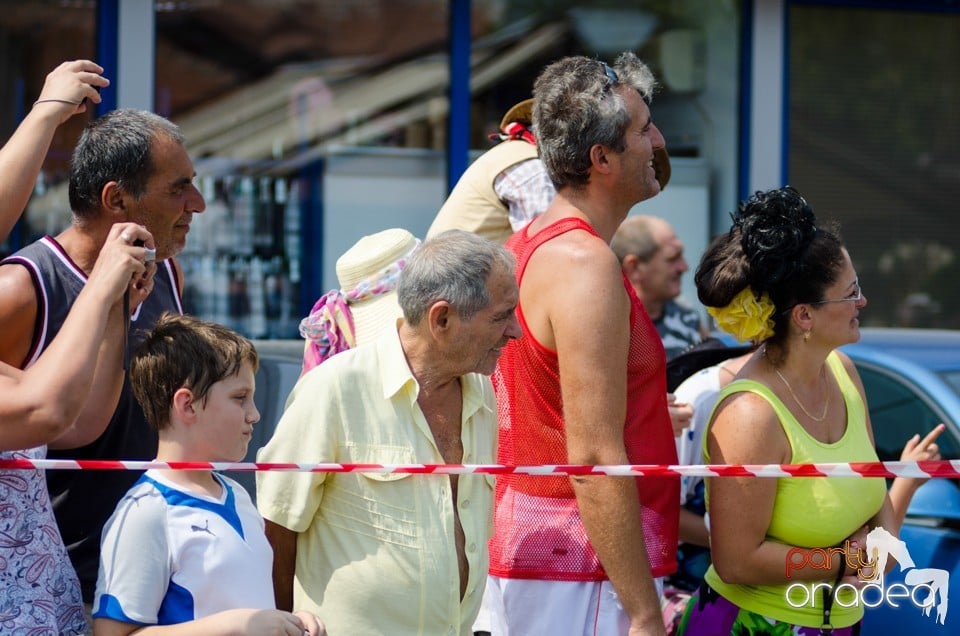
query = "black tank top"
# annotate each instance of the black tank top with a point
(84, 500)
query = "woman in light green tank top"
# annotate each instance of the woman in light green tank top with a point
(780, 280)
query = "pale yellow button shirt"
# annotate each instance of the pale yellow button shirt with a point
(376, 552)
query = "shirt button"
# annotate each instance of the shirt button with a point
(465, 503)
(452, 631)
(472, 547)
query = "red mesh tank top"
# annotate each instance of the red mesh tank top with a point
(538, 533)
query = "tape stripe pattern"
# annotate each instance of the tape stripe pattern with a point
(944, 468)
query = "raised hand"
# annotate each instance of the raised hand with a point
(921, 450)
(916, 449)
(70, 86)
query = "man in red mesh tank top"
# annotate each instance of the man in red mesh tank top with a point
(586, 384)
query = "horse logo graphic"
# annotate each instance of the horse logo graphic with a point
(882, 545)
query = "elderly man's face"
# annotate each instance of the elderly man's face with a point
(481, 339)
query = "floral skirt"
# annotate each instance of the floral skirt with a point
(709, 614)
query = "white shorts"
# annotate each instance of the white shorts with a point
(522, 607)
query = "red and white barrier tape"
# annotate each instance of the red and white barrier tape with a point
(856, 469)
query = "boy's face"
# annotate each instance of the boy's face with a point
(226, 420)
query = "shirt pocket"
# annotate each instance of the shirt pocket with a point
(490, 487)
(380, 506)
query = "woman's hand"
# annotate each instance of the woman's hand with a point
(903, 488)
(858, 569)
(922, 450)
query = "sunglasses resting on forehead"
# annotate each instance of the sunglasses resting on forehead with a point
(613, 79)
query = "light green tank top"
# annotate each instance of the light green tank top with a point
(811, 512)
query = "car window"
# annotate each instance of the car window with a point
(897, 412)
(952, 378)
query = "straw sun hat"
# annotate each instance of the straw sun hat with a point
(366, 303)
(521, 112)
(369, 256)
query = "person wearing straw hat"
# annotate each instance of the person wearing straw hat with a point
(504, 189)
(397, 553)
(366, 303)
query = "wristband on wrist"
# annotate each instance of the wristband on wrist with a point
(57, 100)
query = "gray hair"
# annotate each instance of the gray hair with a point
(575, 107)
(635, 236)
(453, 266)
(116, 147)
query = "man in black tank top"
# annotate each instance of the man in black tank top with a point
(129, 165)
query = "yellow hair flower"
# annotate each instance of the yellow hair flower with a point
(746, 318)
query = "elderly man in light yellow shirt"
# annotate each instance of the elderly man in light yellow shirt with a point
(397, 553)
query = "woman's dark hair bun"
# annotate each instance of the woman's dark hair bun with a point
(775, 228)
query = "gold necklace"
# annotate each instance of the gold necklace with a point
(813, 417)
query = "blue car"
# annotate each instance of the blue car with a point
(912, 381)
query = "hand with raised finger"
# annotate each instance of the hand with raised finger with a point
(923, 450)
(71, 86)
(916, 449)
(120, 262)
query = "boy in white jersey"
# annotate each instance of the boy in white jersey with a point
(187, 547)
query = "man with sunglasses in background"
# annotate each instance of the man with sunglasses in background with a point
(586, 384)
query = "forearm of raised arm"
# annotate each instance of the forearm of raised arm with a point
(107, 380)
(20, 161)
